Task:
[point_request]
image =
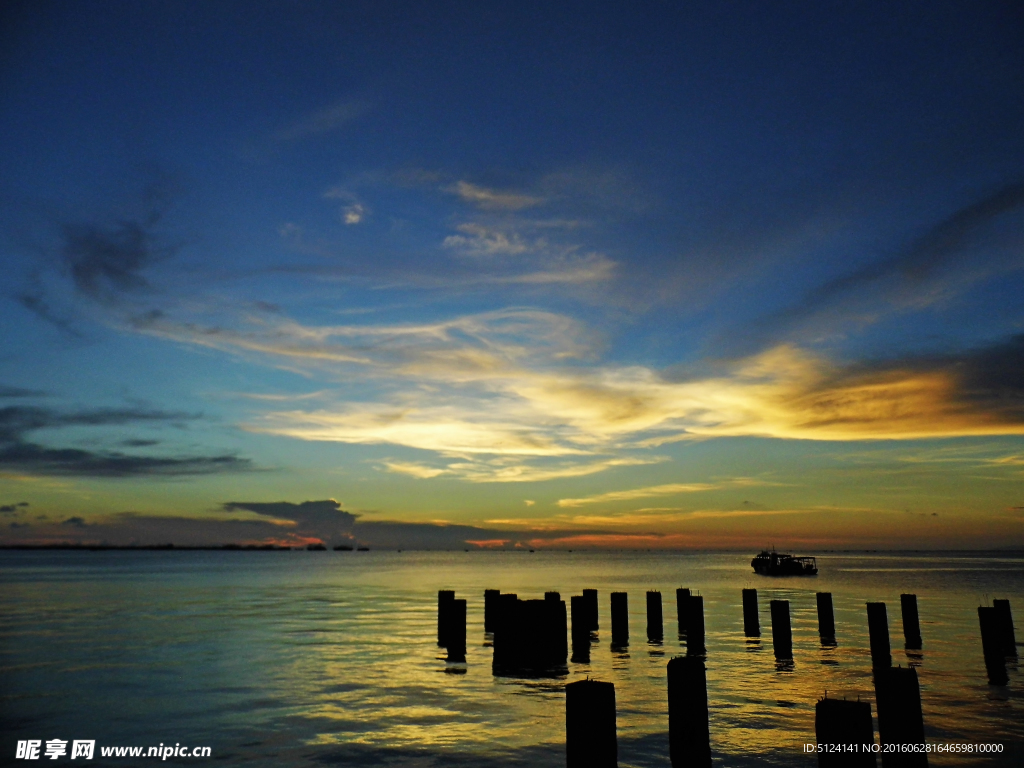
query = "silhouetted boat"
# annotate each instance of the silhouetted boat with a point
(343, 548)
(362, 549)
(777, 564)
(316, 548)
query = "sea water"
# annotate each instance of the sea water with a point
(330, 658)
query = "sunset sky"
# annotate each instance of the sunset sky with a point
(556, 274)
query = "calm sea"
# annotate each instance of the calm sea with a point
(330, 658)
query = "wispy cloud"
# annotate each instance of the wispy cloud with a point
(19, 454)
(493, 200)
(982, 238)
(323, 121)
(667, 489)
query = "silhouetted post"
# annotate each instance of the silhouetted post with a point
(655, 627)
(992, 646)
(620, 619)
(591, 596)
(751, 622)
(695, 626)
(689, 737)
(456, 633)
(878, 634)
(782, 630)
(837, 721)
(444, 599)
(898, 698)
(491, 609)
(505, 631)
(559, 623)
(826, 617)
(1006, 626)
(590, 740)
(579, 607)
(911, 622)
(552, 596)
(682, 597)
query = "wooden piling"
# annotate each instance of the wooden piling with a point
(993, 646)
(491, 609)
(782, 630)
(444, 599)
(655, 626)
(620, 618)
(751, 621)
(689, 736)
(900, 722)
(841, 723)
(911, 622)
(1006, 627)
(455, 636)
(878, 635)
(590, 739)
(591, 596)
(682, 596)
(695, 626)
(826, 617)
(579, 608)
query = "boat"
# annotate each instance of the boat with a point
(777, 564)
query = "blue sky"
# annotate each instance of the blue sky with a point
(678, 275)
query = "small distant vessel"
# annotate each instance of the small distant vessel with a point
(316, 548)
(343, 548)
(777, 564)
(362, 549)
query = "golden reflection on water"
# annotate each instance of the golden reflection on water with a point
(309, 653)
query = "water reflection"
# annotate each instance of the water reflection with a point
(340, 661)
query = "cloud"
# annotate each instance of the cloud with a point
(20, 455)
(18, 392)
(414, 469)
(279, 522)
(11, 508)
(479, 240)
(521, 382)
(323, 121)
(492, 200)
(961, 249)
(669, 489)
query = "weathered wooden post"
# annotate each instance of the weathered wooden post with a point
(444, 600)
(993, 646)
(455, 636)
(826, 617)
(620, 618)
(655, 627)
(682, 597)
(591, 598)
(751, 622)
(689, 735)
(782, 630)
(590, 740)
(900, 722)
(911, 622)
(490, 609)
(842, 723)
(1006, 627)
(695, 626)
(878, 634)
(579, 607)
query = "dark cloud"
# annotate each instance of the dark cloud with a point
(19, 454)
(988, 380)
(898, 279)
(9, 508)
(106, 262)
(324, 520)
(16, 392)
(76, 522)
